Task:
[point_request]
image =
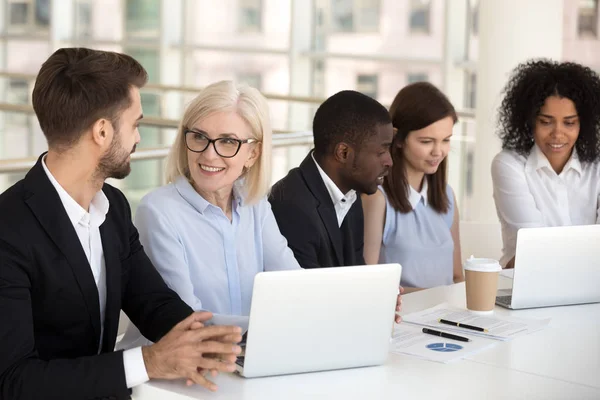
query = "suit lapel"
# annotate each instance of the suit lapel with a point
(325, 208)
(113, 284)
(44, 202)
(329, 218)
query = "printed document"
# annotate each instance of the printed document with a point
(498, 326)
(409, 339)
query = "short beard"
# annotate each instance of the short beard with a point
(114, 164)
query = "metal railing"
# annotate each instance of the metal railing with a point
(147, 120)
(11, 165)
(462, 114)
(281, 138)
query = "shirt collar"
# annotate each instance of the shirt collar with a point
(574, 163)
(98, 207)
(537, 160)
(334, 192)
(187, 191)
(415, 197)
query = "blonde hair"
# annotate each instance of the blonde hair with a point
(249, 104)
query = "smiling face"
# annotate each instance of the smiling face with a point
(210, 172)
(371, 162)
(425, 149)
(556, 130)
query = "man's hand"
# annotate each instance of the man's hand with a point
(510, 264)
(190, 349)
(398, 318)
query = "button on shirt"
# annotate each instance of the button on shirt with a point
(529, 193)
(342, 203)
(87, 226)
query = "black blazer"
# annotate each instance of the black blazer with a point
(306, 217)
(49, 309)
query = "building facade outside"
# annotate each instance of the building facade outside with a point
(306, 48)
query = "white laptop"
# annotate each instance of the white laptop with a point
(555, 266)
(320, 319)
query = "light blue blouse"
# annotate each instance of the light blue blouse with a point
(207, 259)
(421, 241)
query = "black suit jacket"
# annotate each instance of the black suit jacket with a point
(306, 217)
(50, 327)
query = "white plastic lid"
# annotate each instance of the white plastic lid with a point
(482, 264)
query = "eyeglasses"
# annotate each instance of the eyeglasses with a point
(225, 147)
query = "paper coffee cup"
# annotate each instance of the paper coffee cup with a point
(481, 276)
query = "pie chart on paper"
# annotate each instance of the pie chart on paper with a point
(444, 347)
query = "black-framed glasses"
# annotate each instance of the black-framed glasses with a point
(225, 147)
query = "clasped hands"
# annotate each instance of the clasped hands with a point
(192, 350)
(397, 317)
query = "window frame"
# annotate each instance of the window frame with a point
(356, 9)
(419, 6)
(31, 25)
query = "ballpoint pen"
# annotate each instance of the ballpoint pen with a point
(445, 335)
(461, 325)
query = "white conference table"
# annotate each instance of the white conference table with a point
(559, 362)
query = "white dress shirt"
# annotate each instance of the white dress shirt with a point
(87, 225)
(528, 193)
(341, 202)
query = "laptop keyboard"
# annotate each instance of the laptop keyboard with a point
(504, 300)
(240, 361)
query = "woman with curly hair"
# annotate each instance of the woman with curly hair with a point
(547, 173)
(413, 219)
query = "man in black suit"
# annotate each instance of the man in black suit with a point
(317, 205)
(70, 258)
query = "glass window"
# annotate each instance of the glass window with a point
(474, 9)
(367, 84)
(367, 15)
(471, 90)
(151, 102)
(146, 174)
(83, 19)
(29, 15)
(318, 78)
(150, 105)
(250, 16)
(42, 13)
(342, 14)
(251, 79)
(143, 18)
(416, 77)
(420, 16)
(587, 20)
(149, 59)
(151, 108)
(19, 13)
(355, 15)
(17, 93)
(319, 30)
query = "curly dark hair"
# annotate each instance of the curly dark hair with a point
(530, 84)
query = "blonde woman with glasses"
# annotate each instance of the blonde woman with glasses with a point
(211, 229)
